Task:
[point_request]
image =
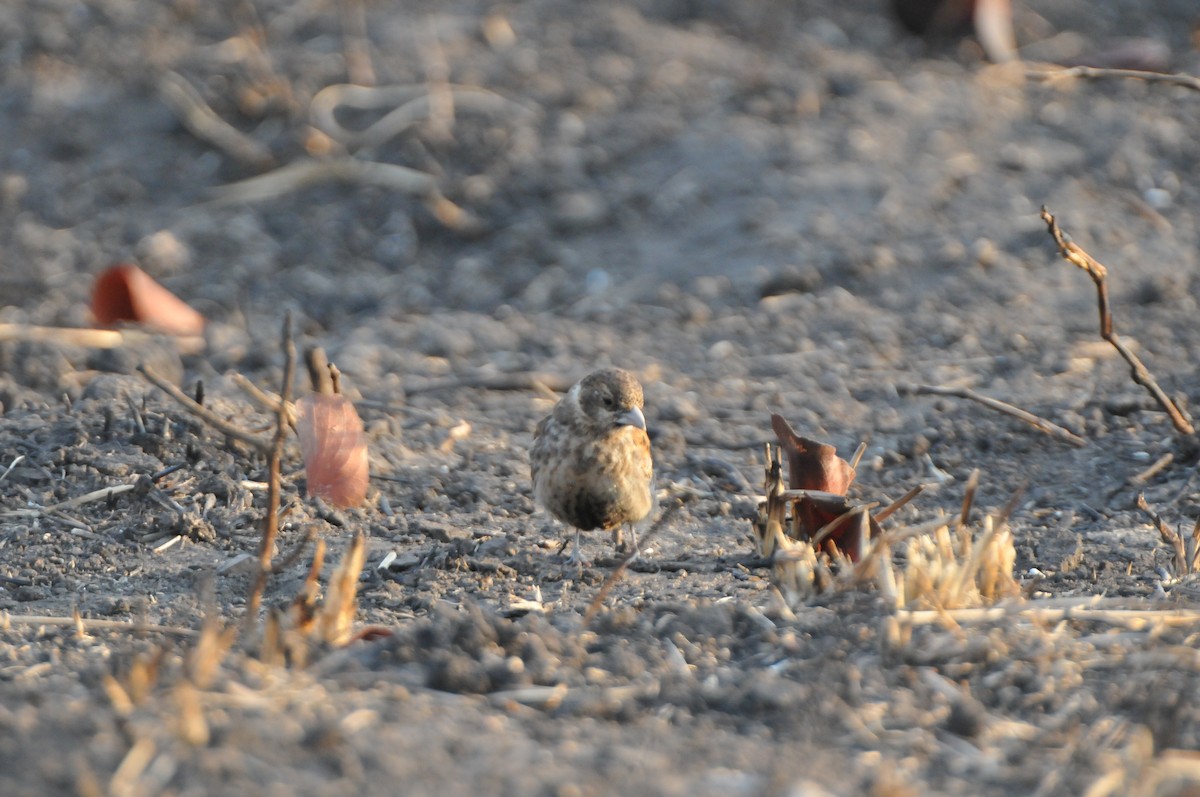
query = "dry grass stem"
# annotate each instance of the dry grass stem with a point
(1185, 554)
(968, 501)
(1076, 256)
(862, 511)
(87, 624)
(204, 659)
(1133, 619)
(858, 455)
(97, 338)
(204, 123)
(900, 503)
(203, 413)
(17, 460)
(1156, 468)
(1037, 422)
(335, 621)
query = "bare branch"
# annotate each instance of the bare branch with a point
(202, 412)
(274, 487)
(1074, 254)
(1037, 422)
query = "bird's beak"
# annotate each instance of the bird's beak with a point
(632, 417)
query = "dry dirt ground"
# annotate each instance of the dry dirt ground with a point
(755, 206)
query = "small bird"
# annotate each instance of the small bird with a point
(590, 460)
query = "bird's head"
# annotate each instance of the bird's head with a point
(611, 397)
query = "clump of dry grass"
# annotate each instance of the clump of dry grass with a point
(952, 568)
(191, 680)
(310, 622)
(947, 565)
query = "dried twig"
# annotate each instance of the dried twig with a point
(268, 401)
(103, 494)
(1156, 468)
(617, 572)
(1074, 254)
(271, 521)
(1185, 561)
(1053, 74)
(1039, 423)
(202, 412)
(319, 375)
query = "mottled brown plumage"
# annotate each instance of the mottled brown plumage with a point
(590, 459)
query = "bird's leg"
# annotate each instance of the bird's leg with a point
(618, 540)
(633, 535)
(576, 558)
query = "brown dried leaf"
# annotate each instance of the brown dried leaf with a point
(334, 448)
(812, 465)
(815, 512)
(125, 293)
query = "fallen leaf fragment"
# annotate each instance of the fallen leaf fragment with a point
(843, 527)
(816, 469)
(812, 465)
(125, 293)
(334, 448)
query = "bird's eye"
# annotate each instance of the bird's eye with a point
(608, 402)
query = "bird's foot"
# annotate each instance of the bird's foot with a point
(632, 550)
(576, 560)
(575, 563)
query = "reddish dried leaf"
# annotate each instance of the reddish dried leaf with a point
(371, 633)
(334, 448)
(125, 293)
(812, 465)
(815, 512)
